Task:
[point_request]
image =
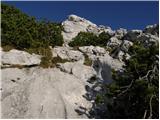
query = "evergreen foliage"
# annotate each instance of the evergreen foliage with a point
(22, 31)
(135, 91)
(86, 39)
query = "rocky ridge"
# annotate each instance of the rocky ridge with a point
(35, 92)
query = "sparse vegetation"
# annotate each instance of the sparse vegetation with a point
(7, 48)
(47, 62)
(87, 60)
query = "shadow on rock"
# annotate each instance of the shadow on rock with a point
(95, 88)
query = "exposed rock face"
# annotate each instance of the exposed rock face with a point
(74, 24)
(126, 45)
(152, 29)
(133, 35)
(81, 71)
(35, 92)
(16, 57)
(68, 53)
(104, 65)
(56, 92)
(120, 33)
(92, 50)
(114, 42)
(41, 93)
(148, 39)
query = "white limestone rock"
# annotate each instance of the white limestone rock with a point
(74, 24)
(66, 67)
(126, 45)
(106, 29)
(17, 57)
(113, 42)
(92, 50)
(81, 71)
(152, 29)
(104, 65)
(120, 33)
(148, 39)
(68, 53)
(41, 93)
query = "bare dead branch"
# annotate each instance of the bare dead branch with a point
(145, 113)
(150, 105)
(129, 86)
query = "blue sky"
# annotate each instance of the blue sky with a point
(116, 14)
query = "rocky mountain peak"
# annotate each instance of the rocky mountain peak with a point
(75, 24)
(75, 18)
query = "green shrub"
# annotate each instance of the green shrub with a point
(135, 91)
(86, 39)
(22, 31)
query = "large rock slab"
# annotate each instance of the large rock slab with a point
(104, 65)
(41, 93)
(68, 53)
(17, 57)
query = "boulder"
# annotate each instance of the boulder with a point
(68, 53)
(132, 35)
(92, 50)
(106, 29)
(126, 45)
(80, 71)
(113, 42)
(17, 57)
(120, 33)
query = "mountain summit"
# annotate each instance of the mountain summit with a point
(75, 24)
